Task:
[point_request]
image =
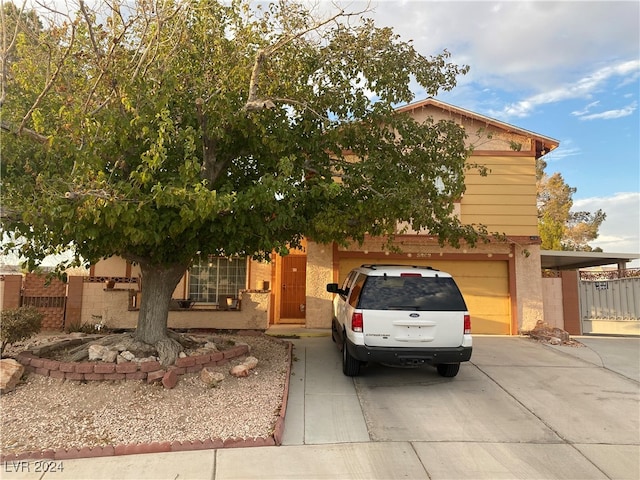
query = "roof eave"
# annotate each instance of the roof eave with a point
(573, 260)
(543, 144)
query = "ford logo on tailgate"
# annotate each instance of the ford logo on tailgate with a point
(414, 315)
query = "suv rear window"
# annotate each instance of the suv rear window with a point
(411, 293)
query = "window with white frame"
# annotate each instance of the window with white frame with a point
(214, 279)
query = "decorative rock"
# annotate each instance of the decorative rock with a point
(100, 352)
(96, 352)
(546, 333)
(561, 334)
(147, 359)
(182, 355)
(10, 373)
(109, 356)
(211, 378)
(250, 362)
(211, 346)
(239, 371)
(128, 356)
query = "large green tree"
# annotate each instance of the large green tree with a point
(157, 130)
(560, 227)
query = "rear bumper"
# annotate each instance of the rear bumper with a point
(431, 356)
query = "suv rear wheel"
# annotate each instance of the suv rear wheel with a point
(350, 365)
(448, 369)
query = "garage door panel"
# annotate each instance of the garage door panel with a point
(489, 325)
(489, 287)
(484, 285)
(476, 269)
(496, 305)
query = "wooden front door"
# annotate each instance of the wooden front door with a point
(293, 288)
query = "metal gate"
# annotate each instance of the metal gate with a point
(611, 299)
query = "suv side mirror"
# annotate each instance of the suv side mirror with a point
(333, 288)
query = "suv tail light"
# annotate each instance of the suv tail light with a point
(467, 324)
(357, 322)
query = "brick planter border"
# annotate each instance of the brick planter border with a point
(96, 370)
(153, 447)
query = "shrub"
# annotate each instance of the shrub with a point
(18, 324)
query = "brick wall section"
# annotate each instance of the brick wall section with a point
(12, 290)
(571, 302)
(73, 312)
(36, 286)
(552, 302)
(53, 318)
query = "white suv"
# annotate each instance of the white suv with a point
(400, 314)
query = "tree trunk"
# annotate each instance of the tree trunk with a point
(158, 284)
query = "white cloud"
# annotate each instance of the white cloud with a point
(520, 44)
(611, 114)
(583, 88)
(620, 232)
(566, 149)
(555, 51)
(586, 109)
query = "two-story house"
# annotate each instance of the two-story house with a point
(500, 280)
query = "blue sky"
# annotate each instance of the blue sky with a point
(566, 70)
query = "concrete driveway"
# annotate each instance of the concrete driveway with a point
(618, 354)
(519, 409)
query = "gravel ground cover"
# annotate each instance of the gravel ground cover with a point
(44, 413)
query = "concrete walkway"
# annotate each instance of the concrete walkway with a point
(519, 409)
(323, 406)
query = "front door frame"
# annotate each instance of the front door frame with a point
(277, 291)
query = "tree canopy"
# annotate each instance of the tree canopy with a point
(560, 227)
(157, 130)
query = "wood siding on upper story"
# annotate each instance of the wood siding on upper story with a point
(504, 200)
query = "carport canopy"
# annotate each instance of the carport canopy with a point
(564, 260)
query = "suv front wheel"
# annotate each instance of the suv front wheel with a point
(448, 369)
(350, 365)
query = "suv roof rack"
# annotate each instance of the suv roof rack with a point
(373, 266)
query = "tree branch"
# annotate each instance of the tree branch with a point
(9, 213)
(103, 194)
(261, 56)
(104, 67)
(4, 126)
(51, 81)
(7, 48)
(253, 101)
(209, 169)
(92, 36)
